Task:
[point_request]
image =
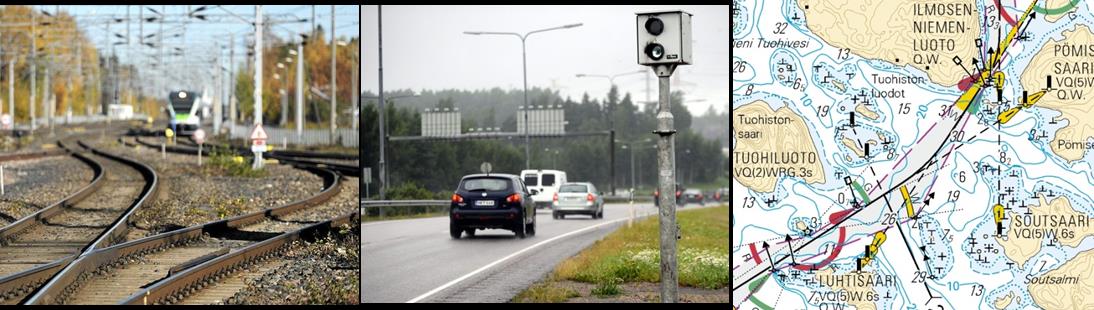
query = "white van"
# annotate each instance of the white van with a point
(543, 184)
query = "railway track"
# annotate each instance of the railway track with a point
(218, 279)
(32, 155)
(344, 164)
(230, 284)
(35, 247)
(154, 265)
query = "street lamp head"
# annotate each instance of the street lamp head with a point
(473, 32)
(573, 25)
(581, 75)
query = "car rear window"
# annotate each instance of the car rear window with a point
(531, 180)
(574, 188)
(548, 180)
(485, 184)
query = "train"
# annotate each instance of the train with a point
(184, 112)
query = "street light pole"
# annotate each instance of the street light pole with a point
(281, 79)
(527, 139)
(632, 167)
(380, 63)
(383, 131)
(631, 146)
(524, 61)
(11, 87)
(333, 80)
(258, 66)
(34, 68)
(611, 122)
(300, 90)
(233, 112)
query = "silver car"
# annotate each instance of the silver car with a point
(577, 198)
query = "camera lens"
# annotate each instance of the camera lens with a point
(655, 51)
(654, 26)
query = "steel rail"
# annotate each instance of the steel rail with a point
(100, 260)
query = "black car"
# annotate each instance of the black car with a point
(492, 201)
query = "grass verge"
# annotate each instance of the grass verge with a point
(631, 255)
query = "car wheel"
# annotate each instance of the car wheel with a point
(455, 231)
(554, 215)
(600, 214)
(470, 232)
(532, 230)
(561, 216)
(520, 228)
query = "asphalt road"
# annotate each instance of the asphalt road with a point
(417, 260)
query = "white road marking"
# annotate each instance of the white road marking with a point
(488, 266)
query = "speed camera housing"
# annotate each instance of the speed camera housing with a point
(664, 37)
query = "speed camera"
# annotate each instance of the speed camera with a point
(664, 37)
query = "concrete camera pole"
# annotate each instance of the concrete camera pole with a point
(666, 162)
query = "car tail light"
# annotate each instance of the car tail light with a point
(513, 198)
(590, 198)
(555, 198)
(456, 198)
(678, 193)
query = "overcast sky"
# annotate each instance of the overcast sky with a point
(425, 48)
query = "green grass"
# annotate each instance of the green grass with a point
(232, 165)
(632, 254)
(545, 292)
(608, 286)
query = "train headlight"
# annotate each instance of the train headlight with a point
(182, 95)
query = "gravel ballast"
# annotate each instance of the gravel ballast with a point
(30, 185)
(191, 195)
(325, 272)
